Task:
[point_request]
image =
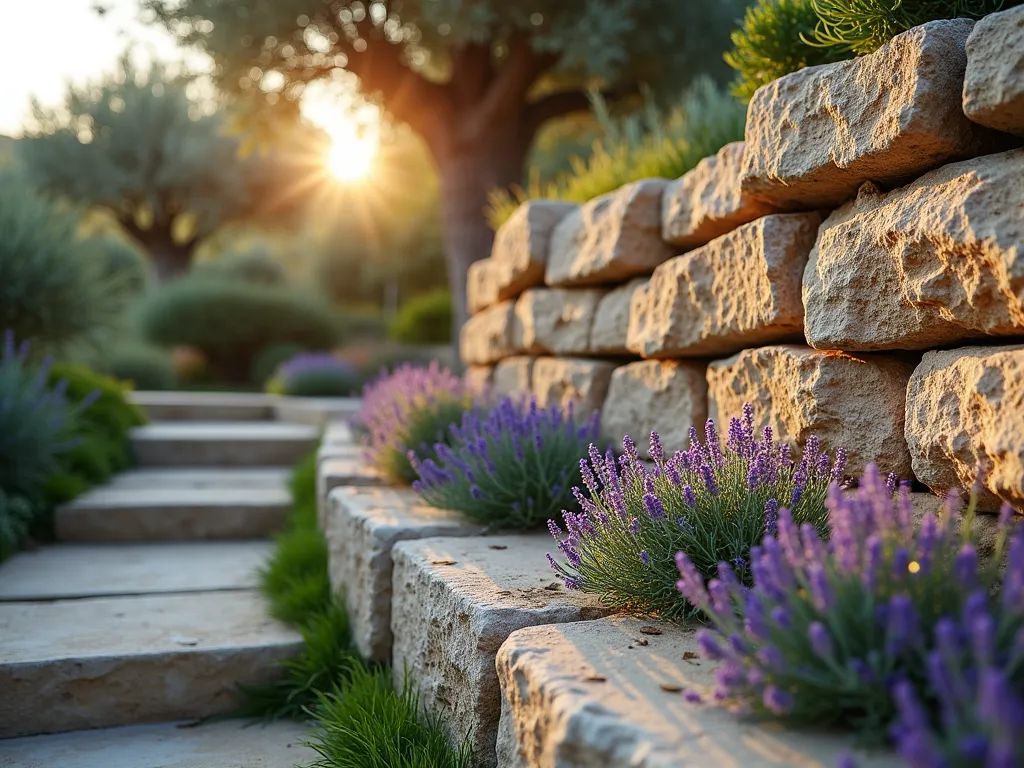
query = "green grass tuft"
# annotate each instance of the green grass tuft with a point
(368, 725)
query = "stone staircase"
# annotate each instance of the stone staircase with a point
(146, 613)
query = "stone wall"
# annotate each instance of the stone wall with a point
(855, 269)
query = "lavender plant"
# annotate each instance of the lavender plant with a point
(511, 466)
(315, 374)
(711, 502)
(884, 628)
(410, 408)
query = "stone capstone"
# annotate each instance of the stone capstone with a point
(854, 401)
(555, 320)
(559, 381)
(663, 395)
(740, 290)
(610, 238)
(606, 694)
(814, 136)
(965, 412)
(455, 602)
(362, 527)
(514, 376)
(522, 243)
(348, 470)
(707, 202)
(938, 261)
(611, 320)
(487, 336)
(994, 81)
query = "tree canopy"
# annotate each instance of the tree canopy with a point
(475, 78)
(138, 145)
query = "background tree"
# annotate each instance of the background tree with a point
(137, 145)
(475, 78)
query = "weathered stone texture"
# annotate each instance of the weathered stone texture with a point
(707, 202)
(605, 694)
(664, 395)
(455, 603)
(555, 320)
(340, 470)
(482, 281)
(611, 320)
(994, 81)
(854, 401)
(479, 378)
(814, 136)
(521, 244)
(610, 238)
(938, 261)
(487, 337)
(514, 376)
(740, 290)
(362, 526)
(560, 381)
(965, 411)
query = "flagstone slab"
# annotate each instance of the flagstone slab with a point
(205, 406)
(455, 602)
(362, 526)
(222, 443)
(315, 411)
(152, 478)
(111, 513)
(99, 662)
(340, 471)
(65, 571)
(607, 694)
(224, 744)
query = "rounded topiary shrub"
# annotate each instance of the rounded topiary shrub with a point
(144, 367)
(266, 362)
(424, 319)
(230, 322)
(256, 265)
(316, 374)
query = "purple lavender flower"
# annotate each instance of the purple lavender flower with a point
(821, 640)
(777, 701)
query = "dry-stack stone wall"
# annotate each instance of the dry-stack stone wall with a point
(854, 268)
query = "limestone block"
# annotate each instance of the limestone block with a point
(455, 602)
(994, 81)
(740, 290)
(521, 244)
(854, 401)
(362, 527)
(342, 470)
(814, 136)
(664, 395)
(938, 261)
(605, 694)
(965, 411)
(487, 336)
(482, 285)
(564, 380)
(610, 238)
(555, 320)
(707, 202)
(479, 378)
(514, 376)
(611, 320)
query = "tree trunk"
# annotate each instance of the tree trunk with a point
(167, 259)
(469, 171)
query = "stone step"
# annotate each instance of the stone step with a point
(117, 513)
(316, 411)
(72, 571)
(222, 444)
(205, 406)
(203, 477)
(224, 744)
(100, 662)
(606, 694)
(361, 526)
(454, 602)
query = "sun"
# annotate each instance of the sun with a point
(351, 155)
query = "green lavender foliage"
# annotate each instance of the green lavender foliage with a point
(16, 517)
(510, 466)
(712, 503)
(367, 724)
(776, 38)
(857, 27)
